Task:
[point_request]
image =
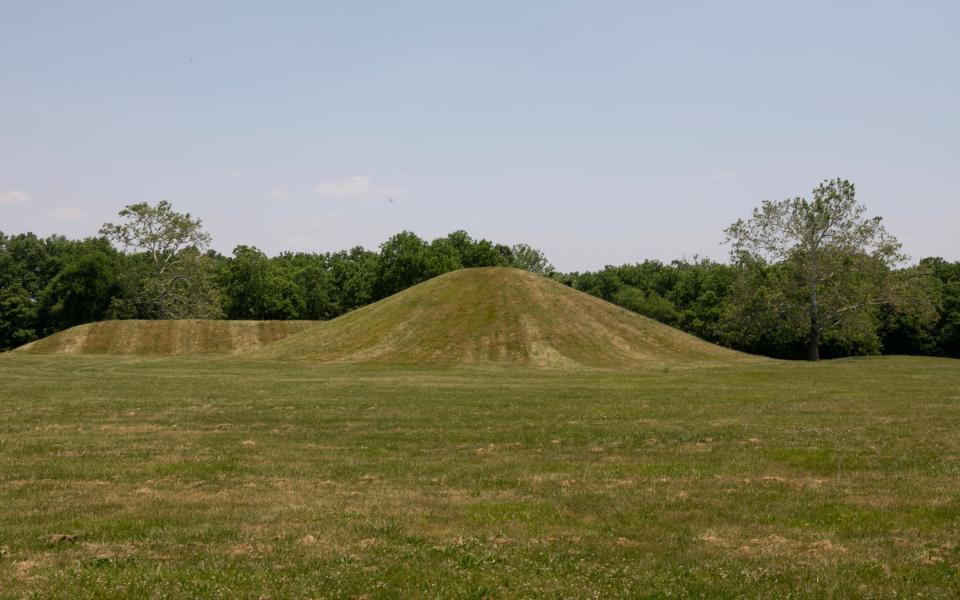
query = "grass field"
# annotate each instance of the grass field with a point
(217, 477)
(166, 338)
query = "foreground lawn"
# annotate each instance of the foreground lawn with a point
(218, 478)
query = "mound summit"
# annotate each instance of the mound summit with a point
(165, 337)
(497, 316)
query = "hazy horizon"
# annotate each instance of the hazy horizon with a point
(601, 135)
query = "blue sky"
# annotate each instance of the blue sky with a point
(601, 132)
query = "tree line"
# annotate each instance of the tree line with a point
(719, 302)
(157, 265)
(806, 278)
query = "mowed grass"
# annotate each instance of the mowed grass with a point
(186, 478)
(497, 316)
(167, 338)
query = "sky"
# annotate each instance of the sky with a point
(599, 132)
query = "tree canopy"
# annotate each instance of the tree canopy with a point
(820, 266)
(867, 301)
(178, 283)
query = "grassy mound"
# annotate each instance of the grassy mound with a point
(497, 316)
(165, 337)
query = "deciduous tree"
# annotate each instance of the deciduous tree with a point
(180, 283)
(524, 256)
(833, 266)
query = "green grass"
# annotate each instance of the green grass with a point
(166, 338)
(498, 316)
(215, 477)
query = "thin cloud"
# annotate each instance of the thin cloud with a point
(278, 194)
(65, 214)
(14, 197)
(360, 186)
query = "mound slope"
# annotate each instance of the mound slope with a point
(165, 337)
(497, 316)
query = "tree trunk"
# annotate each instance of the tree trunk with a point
(813, 344)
